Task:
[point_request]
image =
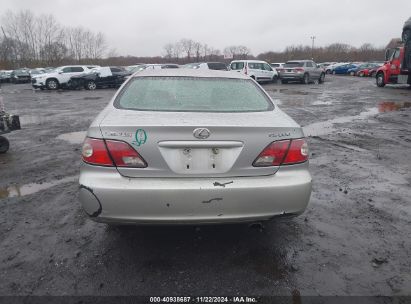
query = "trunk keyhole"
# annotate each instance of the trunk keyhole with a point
(213, 166)
(188, 166)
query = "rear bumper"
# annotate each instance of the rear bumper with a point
(109, 197)
(291, 76)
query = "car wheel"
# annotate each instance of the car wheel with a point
(322, 78)
(406, 36)
(305, 79)
(361, 74)
(275, 79)
(352, 73)
(52, 84)
(4, 145)
(380, 80)
(91, 85)
(327, 72)
(284, 81)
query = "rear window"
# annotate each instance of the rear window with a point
(237, 66)
(294, 64)
(192, 94)
(217, 66)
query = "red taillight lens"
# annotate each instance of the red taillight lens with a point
(279, 70)
(299, 70)
(94, 152)
(124, 155)
(273, 154)
(297, 153)
(284, 152)
(111, 153)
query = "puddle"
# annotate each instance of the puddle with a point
(327, 127)
(293, 92)
(23, 190)
(390, 106)
(73, 138)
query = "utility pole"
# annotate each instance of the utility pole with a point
(312, 47)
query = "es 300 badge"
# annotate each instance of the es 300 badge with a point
(140, 138)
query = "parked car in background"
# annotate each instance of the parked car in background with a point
(353, 71)
(20, 76)
(303, 71)
(276, 65)
(132, 67)
(156, 66)
(343, 69)
(208, 66)
(59, 77)
(158, 144)
(325, 65)
(367, 70)
(329, 69)
(98, 78)
(260, 71)
(37, 71)
(5, 76)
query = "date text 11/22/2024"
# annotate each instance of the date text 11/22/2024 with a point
(236, 299)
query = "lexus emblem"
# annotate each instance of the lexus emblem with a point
(201, 133)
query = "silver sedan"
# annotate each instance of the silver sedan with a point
(188, 146)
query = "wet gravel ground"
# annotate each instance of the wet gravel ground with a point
(354, 238)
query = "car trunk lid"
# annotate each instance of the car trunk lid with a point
(168, 143)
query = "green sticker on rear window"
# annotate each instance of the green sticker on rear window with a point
(141, 137)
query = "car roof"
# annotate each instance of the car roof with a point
(304, 60)
(191, 73)
(256, 61)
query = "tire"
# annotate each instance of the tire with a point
(284, 81)
(328, 72)
(306, 79)
(4, 145)
(380, 80)
(361, 74)
(275, 79)
(52, 84)
(91, 85)
(406, 36)
(322, 78)
(352, 74)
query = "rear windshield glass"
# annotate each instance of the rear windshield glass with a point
(217, 66)
(193, 94)
(237, 65)
(293, 64)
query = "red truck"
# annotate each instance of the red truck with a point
(397, 66)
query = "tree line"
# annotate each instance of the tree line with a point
(27, 40)
(30, 40)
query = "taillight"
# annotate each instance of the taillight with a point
(124, 155)
(299, 70)
(111, 153)
(297, 153)
(284, 152)
(94, 152)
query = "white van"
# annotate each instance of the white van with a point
(260, 71)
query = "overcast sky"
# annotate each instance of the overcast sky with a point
(143, 27)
